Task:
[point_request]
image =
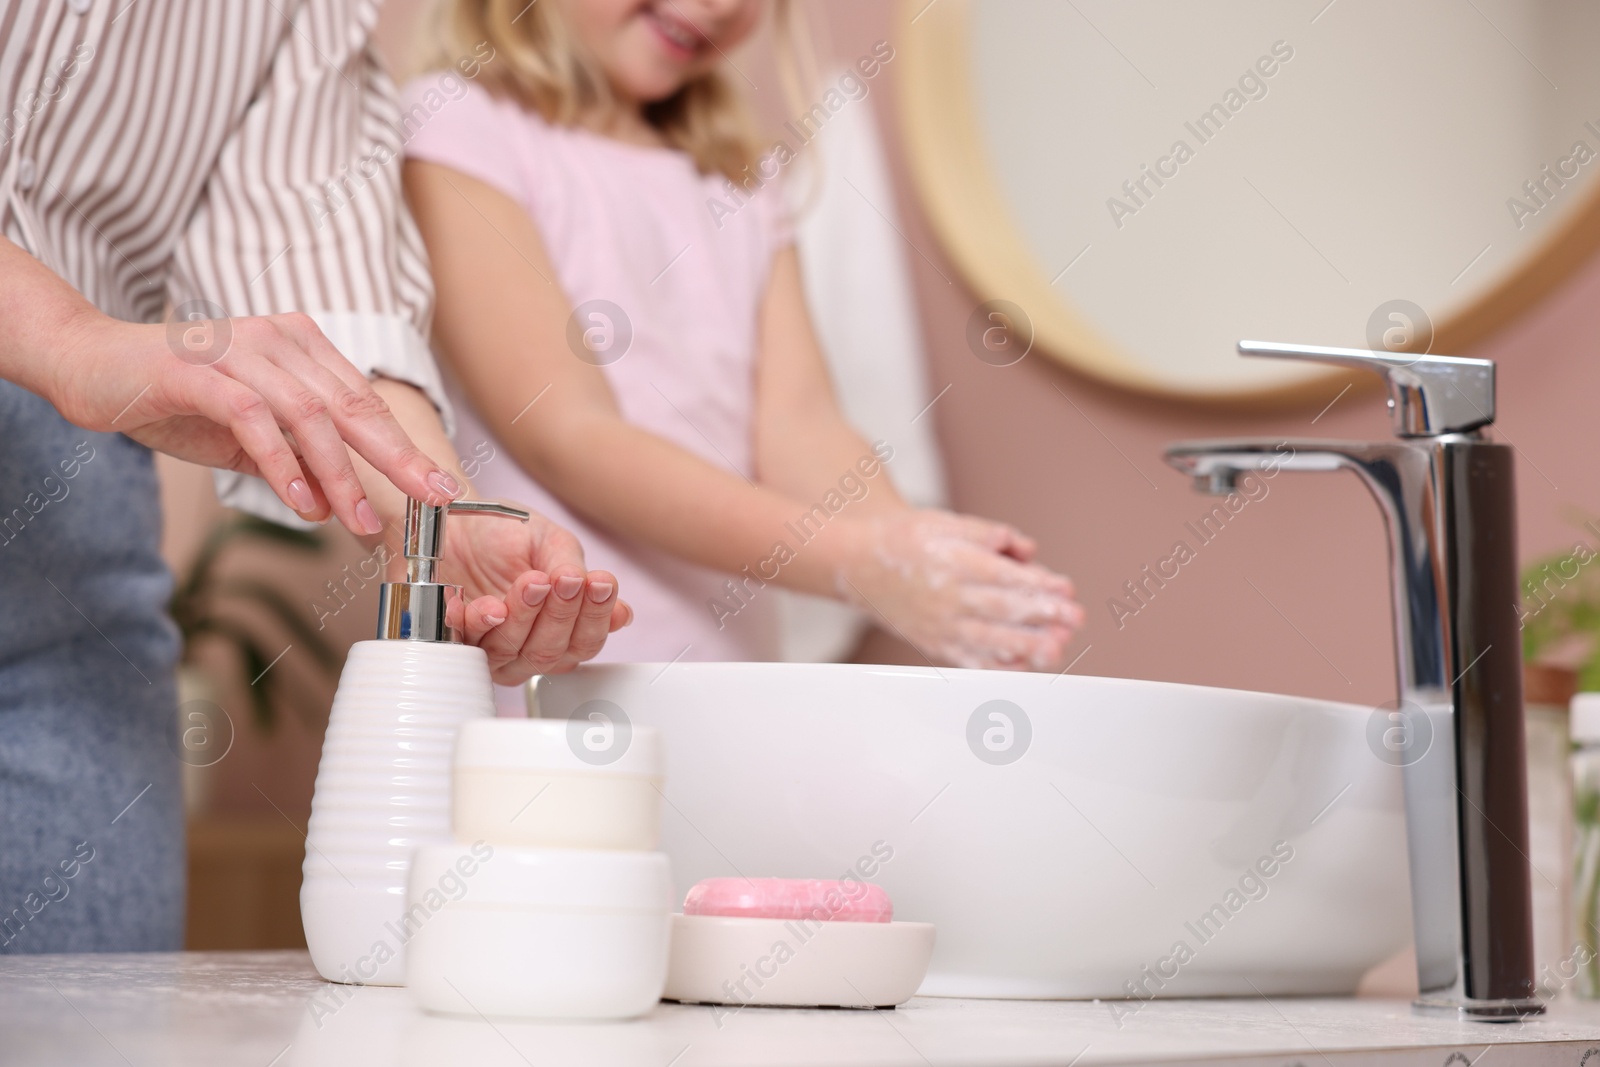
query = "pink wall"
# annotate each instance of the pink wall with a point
(1085, 477)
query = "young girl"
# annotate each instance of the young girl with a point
(630, 346)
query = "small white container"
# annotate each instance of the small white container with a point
(537, 933)
(558, 783)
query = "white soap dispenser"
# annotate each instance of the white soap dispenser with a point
(383, 786)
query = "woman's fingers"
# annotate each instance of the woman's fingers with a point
(621, 615)
(251, 420)
(305, 412)
(279, 388)
(306, 335)
(361, 415)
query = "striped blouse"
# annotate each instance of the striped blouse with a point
(235, 157)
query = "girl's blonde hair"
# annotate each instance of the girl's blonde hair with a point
(541, 64)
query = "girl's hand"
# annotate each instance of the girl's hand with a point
(962, 590)
(531, 605)
(268, 396)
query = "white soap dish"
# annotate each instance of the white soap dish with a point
(719, 959)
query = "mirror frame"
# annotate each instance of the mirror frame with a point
(968, 213)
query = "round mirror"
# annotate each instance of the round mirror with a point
(1147, 183)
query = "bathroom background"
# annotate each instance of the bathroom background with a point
(1292, 597)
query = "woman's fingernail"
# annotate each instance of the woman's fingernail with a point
(568, 585)
(600, 592)
(533, 595)
(300, 496)
(368, 518)
(445, 484)
(494, 620)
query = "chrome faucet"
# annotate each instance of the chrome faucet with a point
(1446, 493)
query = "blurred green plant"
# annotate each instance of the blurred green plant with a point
(205, 605)
(1586, 854)
(1561, 610)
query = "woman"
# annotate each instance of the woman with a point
(133, 176)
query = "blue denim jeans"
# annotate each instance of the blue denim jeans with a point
(91, 811)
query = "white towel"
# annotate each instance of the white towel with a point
(858, 288)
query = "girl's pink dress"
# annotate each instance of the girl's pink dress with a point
(643, 245)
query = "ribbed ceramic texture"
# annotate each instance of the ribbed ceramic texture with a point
(383, 786)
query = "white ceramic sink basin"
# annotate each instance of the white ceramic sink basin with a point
(1065, 851)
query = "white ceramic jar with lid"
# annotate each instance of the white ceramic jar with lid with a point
(537, 933)
(558, 783)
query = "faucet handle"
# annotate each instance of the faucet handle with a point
(1429, 396)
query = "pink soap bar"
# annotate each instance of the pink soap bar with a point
(790, 898)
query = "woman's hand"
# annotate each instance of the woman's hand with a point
(531, 605)
(962, 590)
(267, 396)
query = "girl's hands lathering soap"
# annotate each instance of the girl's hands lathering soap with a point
(790, 898)
(963, 590)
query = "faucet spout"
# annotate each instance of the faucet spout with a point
(1401, 477)
(1217, 466)
(1448, 503)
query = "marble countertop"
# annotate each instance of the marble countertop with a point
(269, 1009)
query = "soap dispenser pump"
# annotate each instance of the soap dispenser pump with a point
(383, 785)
